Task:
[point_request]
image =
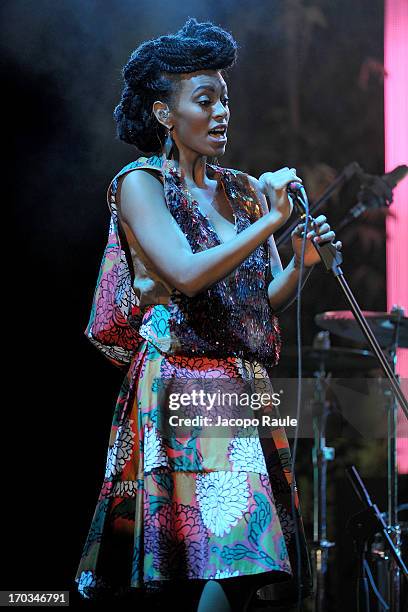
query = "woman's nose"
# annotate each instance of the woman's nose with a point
(220, 109)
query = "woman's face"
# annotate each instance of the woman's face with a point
(201, 106)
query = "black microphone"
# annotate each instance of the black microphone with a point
(297, 193)
(294, 187)
(330, 256)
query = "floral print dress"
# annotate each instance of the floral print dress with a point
(179, 507)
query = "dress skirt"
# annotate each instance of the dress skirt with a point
(196, 506)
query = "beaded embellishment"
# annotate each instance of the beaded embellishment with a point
(233, 316)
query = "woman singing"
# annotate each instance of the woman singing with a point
(188, 290)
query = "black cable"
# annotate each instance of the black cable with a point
(374, 587)
(299, 392)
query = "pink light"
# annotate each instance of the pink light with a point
(396, 152)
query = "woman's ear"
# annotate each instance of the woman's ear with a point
(162, 113)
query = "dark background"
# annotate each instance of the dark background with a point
(307, 92)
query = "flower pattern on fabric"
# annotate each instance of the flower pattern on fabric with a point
(93, 587)
(114, 303)
(223, 499)
(255, 368)
(154, 453)
(256, 374)
(88, 584)
(246, 454)
(124, 290)
(149, 527)
(180, 366)
(183, 374)
(266, 483)
(286, 521)
(176, 535)
(224, 574)
(259, 517)
(125, 488)
(121, 451)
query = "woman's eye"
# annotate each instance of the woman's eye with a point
(225, 102)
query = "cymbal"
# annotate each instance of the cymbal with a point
(334, 359)
(342, 323)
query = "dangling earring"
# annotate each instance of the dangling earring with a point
(168, 144)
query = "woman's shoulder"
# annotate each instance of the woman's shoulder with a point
(152, 165)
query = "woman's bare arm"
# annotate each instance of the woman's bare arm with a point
(143, 208)
(275, 260)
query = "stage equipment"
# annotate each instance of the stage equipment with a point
(363, 526)
(375, 192)
(391, 330)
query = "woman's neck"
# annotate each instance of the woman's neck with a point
(193, 169)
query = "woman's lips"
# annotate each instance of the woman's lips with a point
(220, 138)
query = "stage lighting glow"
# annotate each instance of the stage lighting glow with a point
(396, 152)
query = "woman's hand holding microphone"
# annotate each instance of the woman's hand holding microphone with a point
(273, 185)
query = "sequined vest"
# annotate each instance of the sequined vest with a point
(233, 317)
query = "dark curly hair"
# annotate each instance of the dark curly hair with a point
(149, 76)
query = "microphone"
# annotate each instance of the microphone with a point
(375, 192)
(297, 193)
(294, 186)
(330, 256)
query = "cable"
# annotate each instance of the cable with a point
(376, 592)
(299, 392)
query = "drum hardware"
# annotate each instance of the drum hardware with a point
(363, 526)
(322, 360)
(384, 326)
(325, 359)
(392, 331)
(321, 455)
(381, 560)
(336, 359)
